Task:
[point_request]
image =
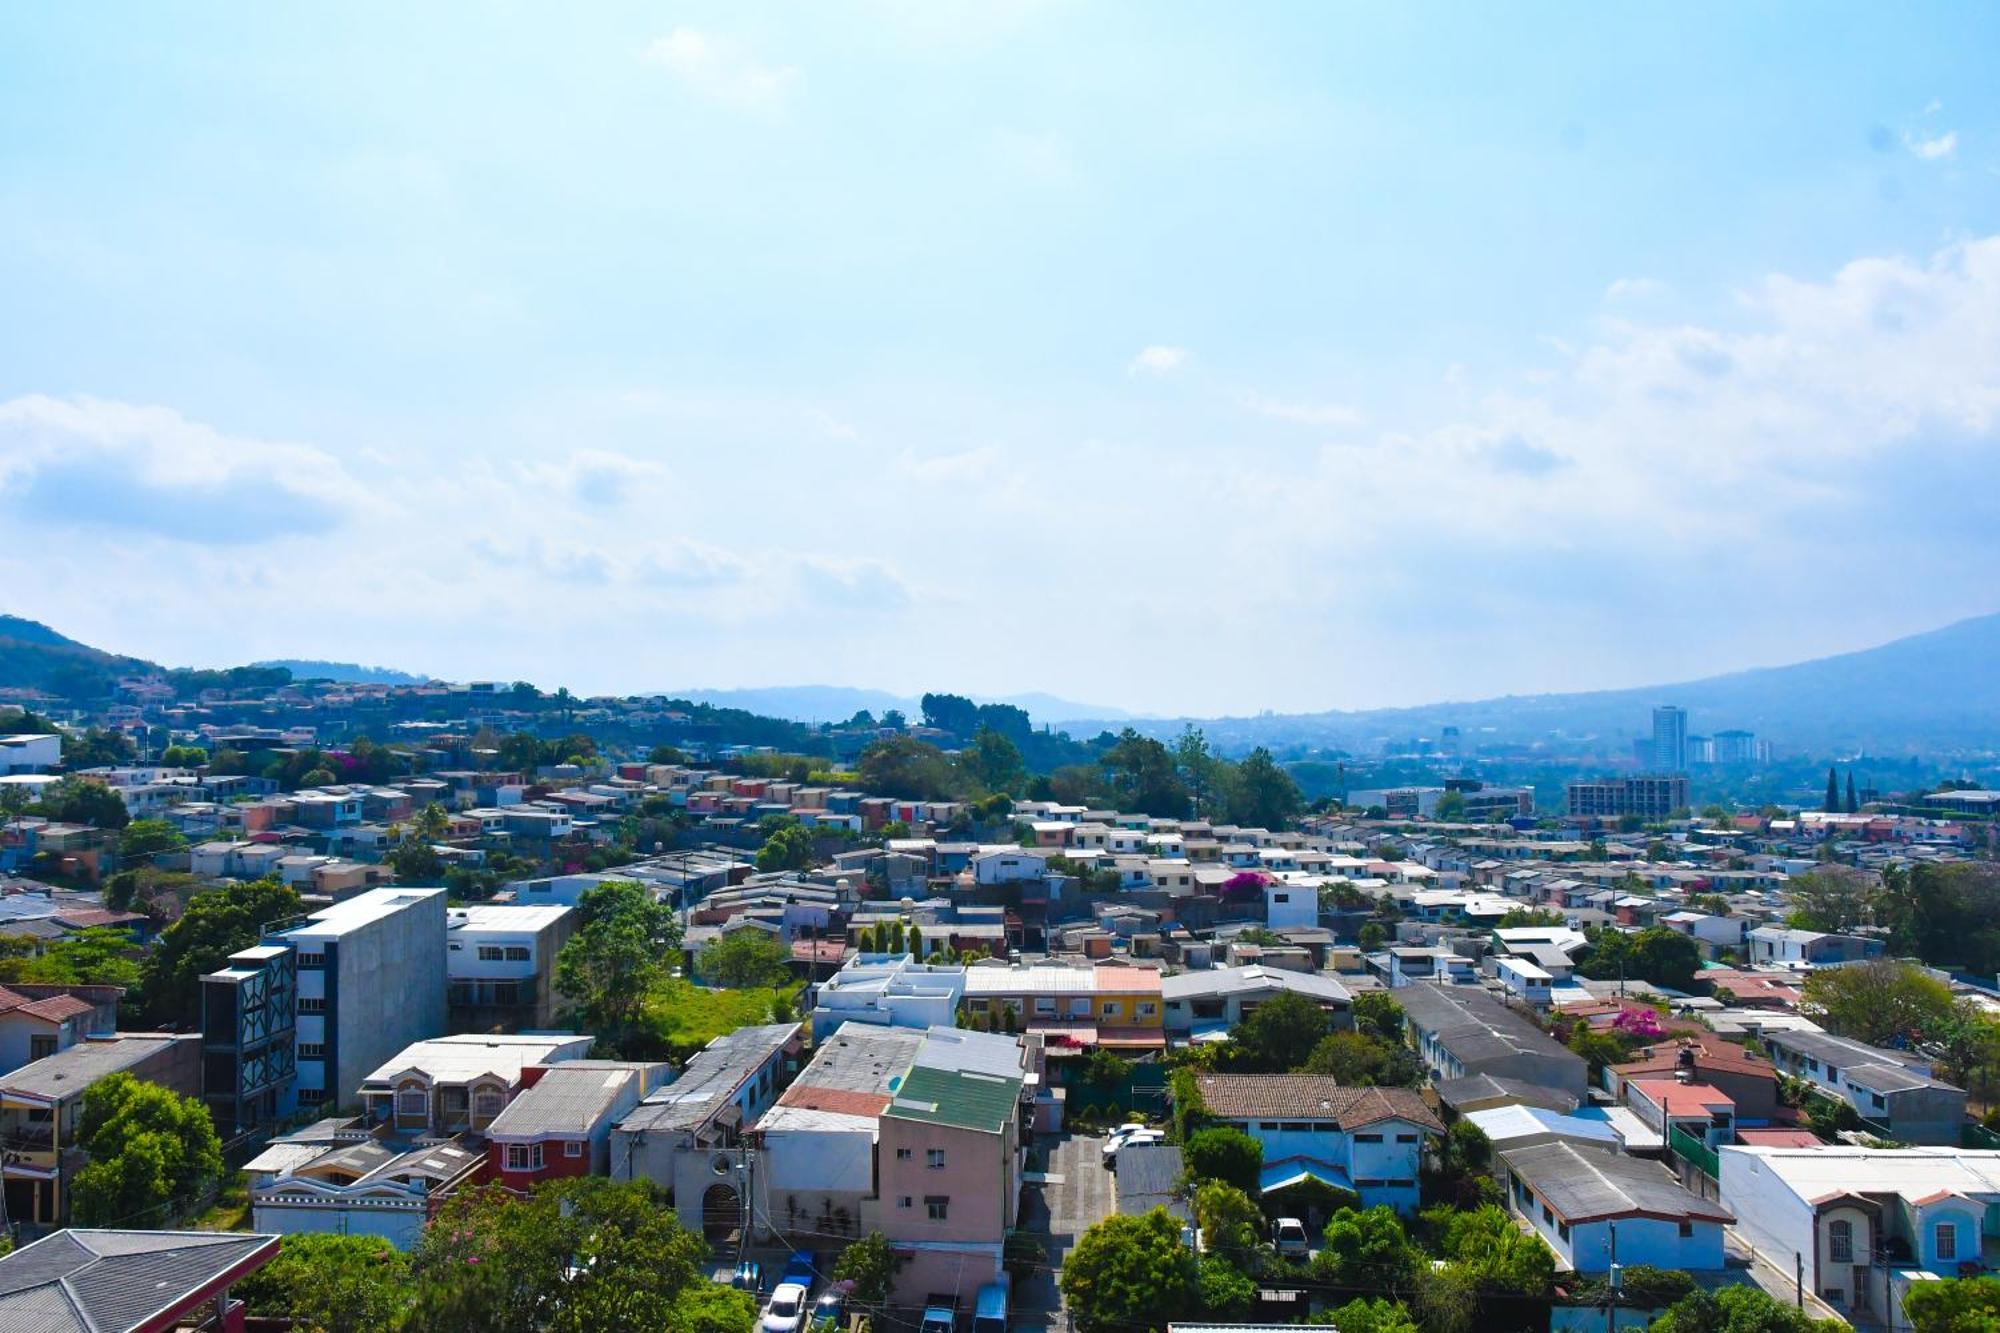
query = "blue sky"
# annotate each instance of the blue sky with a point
(1179, 357)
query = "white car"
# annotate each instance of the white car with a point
(1291, 1238)
(787, 1311)
(1113, 1147)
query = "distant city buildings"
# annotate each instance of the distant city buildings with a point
(1652, 796)
(1670, 738)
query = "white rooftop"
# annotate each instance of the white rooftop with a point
(462, 1058)
(1910, 1172)
(503, 916)
(363, 909)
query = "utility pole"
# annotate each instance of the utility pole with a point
(1799, 1279)
(1614, 1285)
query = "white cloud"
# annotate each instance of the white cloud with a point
(722, 70)
(1933, 147)
(1304, 414)
(969, 465)
(1635, 289)
(1158, 360)
(595, 477)
(149, 470)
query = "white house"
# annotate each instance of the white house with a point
(887, 990)
(1291, 906)
(1369, 1140)
(1864, 1222)
(1214, 1000)
(1577, 1199)
(35, 752)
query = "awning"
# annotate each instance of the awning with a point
(1291, 1171)
(1069, 1039)
(1136, 1038)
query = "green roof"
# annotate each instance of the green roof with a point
(950, 1097)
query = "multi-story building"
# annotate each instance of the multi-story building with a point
(449, 1085)
(560, 1123)
(40, 1104)
(500, 965)
(1670, 738)
(302, 1018)
(1110, 1005)
(888, 990)
(1649, 796)
(1892, 1088)
(1735, 747)
(688, 1136)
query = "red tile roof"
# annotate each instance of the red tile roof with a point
(845, 1101)
(1310, 1097)
(1681, 1099)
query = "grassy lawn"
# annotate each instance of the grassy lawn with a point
(690, 1016)
(229, 1212)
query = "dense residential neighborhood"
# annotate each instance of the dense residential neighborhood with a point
(915, 1034)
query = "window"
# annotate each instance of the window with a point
(1562, 1230)
(1687, 1230)
(312, 1050)
(311, 1096)
(572, 1148)
(1947, 1240)
(1367, 1138)
(40, 1047)
(934, 1159)
(937, 1206)
(1109, 1008)
(1840, 1241)
(517, 953)
(1548, 1215)
(312, 960)
(904, 1202)
(1147, 1009)
(413, 1101)
(1268, 1126)
(312, 1004)
(524, 1157)
(1044, 1005)
(902, 1154)
(1406, 1138)
(490, 953)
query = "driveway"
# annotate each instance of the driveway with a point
(1070, 1192)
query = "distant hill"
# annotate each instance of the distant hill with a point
(1934, 691)
(837, 703)
(35, 657)
(345, 673)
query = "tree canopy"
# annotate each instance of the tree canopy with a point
(1130, 1273)
(332, 1283)
(1226, 1155)
(622, 948)
(213, 925)
(150, 1154)
(739, 959)
(1279, 1035)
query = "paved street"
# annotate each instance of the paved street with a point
(1075, 1192)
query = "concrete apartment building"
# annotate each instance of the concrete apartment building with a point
(40, 1106)
(500, 965)
(304, 1017)
(1650, 796)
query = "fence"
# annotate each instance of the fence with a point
(1694, 1152)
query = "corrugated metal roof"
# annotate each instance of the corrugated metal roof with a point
(984, 1102)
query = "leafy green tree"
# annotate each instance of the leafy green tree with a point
(1280, 1035)
(1144, 776)
(1831, 898)
(1955, 1305)
(665, 754)
(99, 956)
(1261, 794)
(1226, 1155)
(150, 1154)
(1377, 1014)
(1529, 916)
(1225, 1290)
(1359, 1060)
(789, 847)
(739, 959)
(1879, 1001)
(621, 950)
(580, 1255)
(213, 925)
(710, 1307)
(909, 769)
(994, 762)
(1657, 954)
(1494, 1253)
(1372, 936)
(332, 1283)
(1739, 1309)
(1130, 1273)
(1368, 1316)
(1230, 1222)
(77, 800)
(870, 1264)
(147, 837)
(97, 748)
(1368, 1249)
(1450, 808)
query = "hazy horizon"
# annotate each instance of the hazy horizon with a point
(1185, 361)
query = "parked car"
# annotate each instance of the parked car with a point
(940, 1315)
(749, 1276)
(1291, 1238)
(1116, 1146)
(786, 1312)
(832, 1303)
